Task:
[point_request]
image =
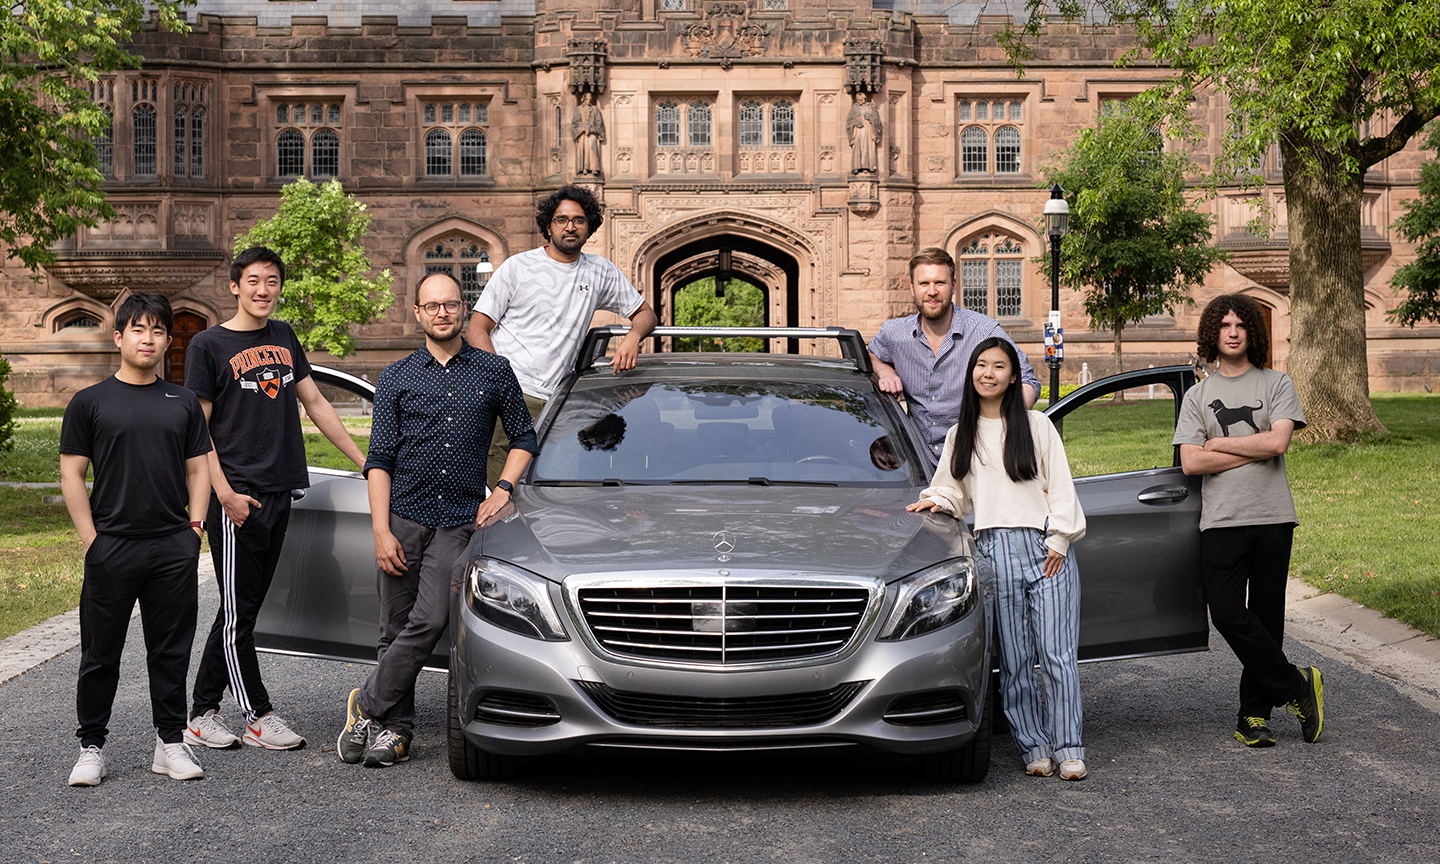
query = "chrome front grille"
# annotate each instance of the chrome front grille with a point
(725, 625)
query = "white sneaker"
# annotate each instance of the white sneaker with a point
(1043, 767)
(1073, 769)
(209, 730)
(177, 760)
(89, 769)
(272, 733)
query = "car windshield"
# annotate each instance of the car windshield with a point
(724, 432)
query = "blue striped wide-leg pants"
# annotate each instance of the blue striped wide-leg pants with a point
(1039, 623)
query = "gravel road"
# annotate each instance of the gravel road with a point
(1167, 784)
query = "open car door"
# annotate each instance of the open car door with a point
(324, 601)
(1140, 558)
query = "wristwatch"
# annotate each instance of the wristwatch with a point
(506, 485)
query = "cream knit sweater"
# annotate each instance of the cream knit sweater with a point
(1048, 502)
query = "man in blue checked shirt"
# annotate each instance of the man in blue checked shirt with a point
(435, 412)
(924, 356)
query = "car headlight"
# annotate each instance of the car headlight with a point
(930, 599)
(514, 599)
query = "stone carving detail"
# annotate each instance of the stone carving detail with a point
(864, 69)
(587, 129)
(623, 101)
(771, 161)
(827, 161)
(134, 224)
(864, 130)
(685, 160)
(726, 32)
(192, 221)
(864, 196)
(622, 159)
(587, 65)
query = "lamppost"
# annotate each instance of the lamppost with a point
(1057, 223)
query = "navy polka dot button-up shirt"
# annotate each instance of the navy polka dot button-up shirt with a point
(432, 428)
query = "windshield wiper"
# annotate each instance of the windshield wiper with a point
(608, 481)
(753, 481)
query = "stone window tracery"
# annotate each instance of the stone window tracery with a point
(992, 269)
(455, 138)
(766, 137)
(990, 140)
(312, 122)
(457, 255)
(684, 141)
(699, 125)
(189, 126)
(144, 127)
(103, 92)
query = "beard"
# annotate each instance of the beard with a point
(940, 313)
(443, 332)
(568, 244)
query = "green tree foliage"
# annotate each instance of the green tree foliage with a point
(7, 409)
(1136, 246)
(317, 231)
(742, 306)
(1420, 279)
(1340, 86)
(51, 54)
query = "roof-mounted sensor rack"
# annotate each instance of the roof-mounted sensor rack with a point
(852, 344)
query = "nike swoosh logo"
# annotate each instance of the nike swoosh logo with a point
(172, 395)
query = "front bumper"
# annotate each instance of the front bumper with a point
(567, 695)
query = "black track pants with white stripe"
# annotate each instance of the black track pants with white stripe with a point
(245, 558)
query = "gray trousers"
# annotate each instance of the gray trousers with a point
(414, 612)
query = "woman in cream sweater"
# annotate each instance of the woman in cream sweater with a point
(1008, 464)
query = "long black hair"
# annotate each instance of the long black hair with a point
(1020, 461)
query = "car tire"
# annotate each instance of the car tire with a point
(468, 762)
(968, 764)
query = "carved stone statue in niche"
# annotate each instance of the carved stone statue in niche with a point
(587, 128)
(864, 129)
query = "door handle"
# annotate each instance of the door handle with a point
(1164, 495)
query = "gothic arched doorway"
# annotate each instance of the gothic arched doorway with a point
(731, 257)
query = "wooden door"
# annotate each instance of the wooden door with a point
(187, 324)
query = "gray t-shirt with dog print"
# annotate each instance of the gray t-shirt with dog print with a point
(1256, 493)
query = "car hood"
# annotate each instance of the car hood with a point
(557, 531)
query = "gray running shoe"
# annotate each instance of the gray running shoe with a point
(355, 737)
(208, 730)
(89, 769)
(389, 748)
(177, 760)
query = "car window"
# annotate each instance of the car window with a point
(1106, 436)
(354, 411)
(711, 430)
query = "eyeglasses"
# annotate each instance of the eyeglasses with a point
(454, 307)
(562, 221)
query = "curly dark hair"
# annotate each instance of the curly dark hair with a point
(1252, 317)
(580, 195)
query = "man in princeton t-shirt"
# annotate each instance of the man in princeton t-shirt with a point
(249, 372)
(538, 305)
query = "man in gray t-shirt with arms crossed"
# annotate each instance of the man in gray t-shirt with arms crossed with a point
(1234, 429)
(536, 308)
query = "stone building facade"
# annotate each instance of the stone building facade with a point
(811, 144)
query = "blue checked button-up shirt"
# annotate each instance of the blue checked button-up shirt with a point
(432, 427)
(934, 382)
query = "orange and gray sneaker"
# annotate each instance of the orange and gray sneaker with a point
(355, 737)
(208, 730)
(1309, 706)
(272, 733)
(388, 748)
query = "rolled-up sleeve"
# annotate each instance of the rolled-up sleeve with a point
(515, 417)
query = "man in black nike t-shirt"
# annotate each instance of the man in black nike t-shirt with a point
(146, 439)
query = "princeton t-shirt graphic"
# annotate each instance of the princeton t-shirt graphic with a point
(249, 377)
(275, 369)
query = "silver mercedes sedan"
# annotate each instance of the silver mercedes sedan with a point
(711, 554)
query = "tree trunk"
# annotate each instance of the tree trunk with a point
(1327, 300)
(1119, 362)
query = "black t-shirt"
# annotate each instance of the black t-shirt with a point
(249, 376)
(138, 438)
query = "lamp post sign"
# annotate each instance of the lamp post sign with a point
(1057, 223)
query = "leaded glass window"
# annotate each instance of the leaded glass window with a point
(437, 153)
(752, 124)
(975, 285)
(1007, 150)
(325, 154)
(182, 123)
(974, 150)
(699, 130)
(143, 128)
(667, 124)
(472, 153)
(782, 125)
(290, 153)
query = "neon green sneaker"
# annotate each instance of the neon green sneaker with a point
(1254, 732)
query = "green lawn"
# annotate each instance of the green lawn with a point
(1367, 512)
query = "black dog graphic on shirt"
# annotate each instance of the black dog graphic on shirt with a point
(1228, 417)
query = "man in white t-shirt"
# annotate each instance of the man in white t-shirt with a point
(536, 308)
